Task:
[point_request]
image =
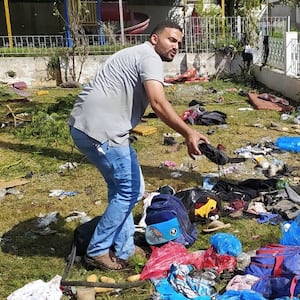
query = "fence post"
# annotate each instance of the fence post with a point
(289, 39)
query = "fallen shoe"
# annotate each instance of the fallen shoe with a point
(216, 225)
(213, 154)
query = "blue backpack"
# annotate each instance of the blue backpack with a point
(167, 219)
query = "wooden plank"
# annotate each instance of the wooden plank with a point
(144, 130)
(12, 183)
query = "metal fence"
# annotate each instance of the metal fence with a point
(202, 35)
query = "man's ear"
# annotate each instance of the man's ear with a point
(154, 39)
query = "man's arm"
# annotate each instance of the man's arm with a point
(164, 110)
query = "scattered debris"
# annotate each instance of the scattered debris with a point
(68, 166)
(78, 215)
(43, 221)
(61, 194)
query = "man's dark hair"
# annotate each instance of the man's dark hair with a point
(165, 24)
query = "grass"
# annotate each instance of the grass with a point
(40, 149)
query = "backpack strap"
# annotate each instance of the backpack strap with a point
(293, 286)
(277, 271)
(70, 263)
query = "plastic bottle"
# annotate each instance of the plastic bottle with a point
(289, 143)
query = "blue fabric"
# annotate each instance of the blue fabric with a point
(240, 295)
(190, 287)
(274, 287)
(265, 217)
(226, 243)
(167, 292)
(120, 168)
(161, 217)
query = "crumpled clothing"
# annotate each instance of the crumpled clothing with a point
(241, 282)
(166, 292)
(44, 221)
(68, 166)
(146, 203)
(256, 208)
(240, 295)
(39, 290)
(167, 164)
(190, 287)
(61, 194)
(265, 217)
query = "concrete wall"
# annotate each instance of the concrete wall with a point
(33, 71)
(278, 81)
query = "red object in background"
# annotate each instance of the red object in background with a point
(135, 22)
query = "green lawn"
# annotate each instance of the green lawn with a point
(43, 145)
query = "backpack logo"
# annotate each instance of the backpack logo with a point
(167, 220)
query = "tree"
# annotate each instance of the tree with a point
(239, 7)
(79, 43)
(243, 7)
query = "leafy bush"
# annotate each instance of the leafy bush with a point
(51, 128)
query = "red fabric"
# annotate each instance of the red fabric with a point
(189, 75)
(211, 259)
(259, 103)
(163, 257)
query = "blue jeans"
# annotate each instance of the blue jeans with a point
(121, 170)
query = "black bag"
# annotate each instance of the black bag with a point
(245, 190)
(211, 118)
(83, 234)
(197, 197)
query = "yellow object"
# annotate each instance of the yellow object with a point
(103, 290)
(42, 93)
(205, 209)
(107, 279)
(144, 130)
(133, 278)
(8, 24)
(92, 278)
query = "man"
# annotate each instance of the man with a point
(103, 115)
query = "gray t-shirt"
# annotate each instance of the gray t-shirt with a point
(115, 101)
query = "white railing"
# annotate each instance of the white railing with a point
(202, 35)
(295, 58)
